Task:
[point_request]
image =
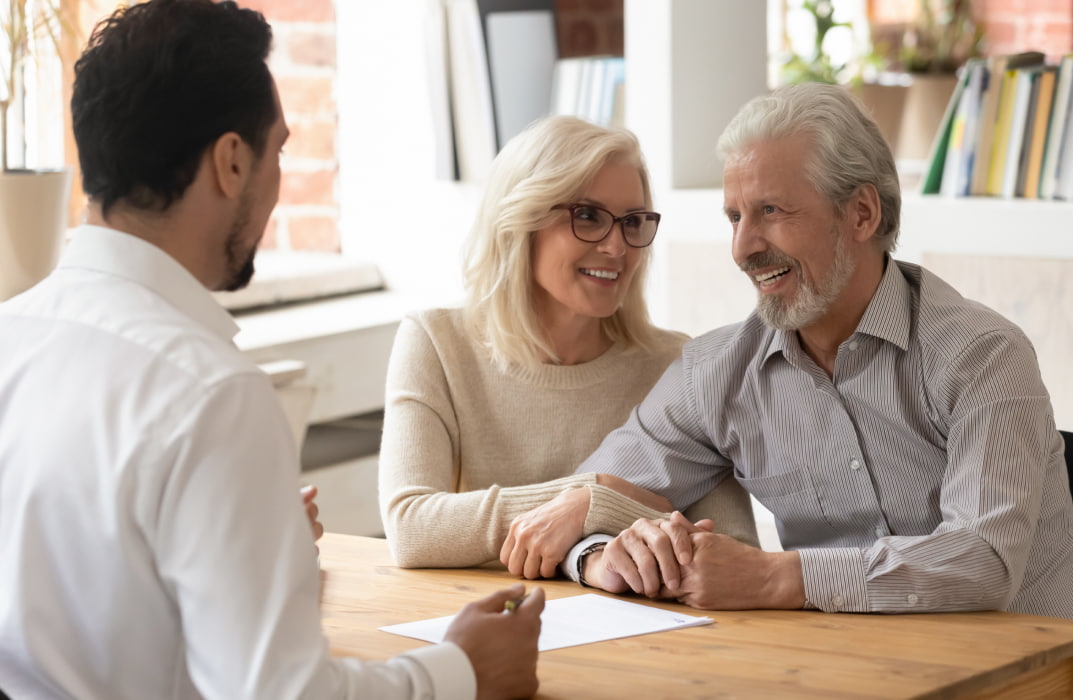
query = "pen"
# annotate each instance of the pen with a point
(512, 605)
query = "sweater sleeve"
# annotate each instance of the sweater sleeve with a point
(427, 522)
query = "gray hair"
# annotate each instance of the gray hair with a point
(849, 150)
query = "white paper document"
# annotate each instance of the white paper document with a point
(580, 619)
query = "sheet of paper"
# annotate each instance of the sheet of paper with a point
(580, 619)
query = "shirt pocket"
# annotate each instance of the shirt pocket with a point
(793, 500)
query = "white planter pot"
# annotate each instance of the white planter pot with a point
(33, 218)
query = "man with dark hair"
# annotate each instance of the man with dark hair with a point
(154, 546)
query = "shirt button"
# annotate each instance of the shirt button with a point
(837, 601)
(912, 599)
(880, 531)
(853, 345)
(855, 464)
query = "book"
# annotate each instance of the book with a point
(1026, 81)
(1063, 188)
(989, 109)
(522, 50)
(1036, 133)
(1060, 120)
(566, 85)
(1000, 137)
(471, 91)
(590, 88)
(957, 170)
(936, 161)
(436, 61)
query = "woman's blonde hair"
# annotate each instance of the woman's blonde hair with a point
(550, 163)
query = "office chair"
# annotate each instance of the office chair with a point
(1068, 437)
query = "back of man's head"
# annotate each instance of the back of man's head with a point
(848, 148)
(158, 83)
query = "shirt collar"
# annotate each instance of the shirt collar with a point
(126, 256)
(888, 316)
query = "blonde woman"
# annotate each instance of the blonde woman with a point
(491, 407)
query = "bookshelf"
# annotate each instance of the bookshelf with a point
(1014, 255)
(1025, 246)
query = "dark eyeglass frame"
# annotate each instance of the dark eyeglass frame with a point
(573, 206)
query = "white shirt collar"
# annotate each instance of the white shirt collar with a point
(123, 255)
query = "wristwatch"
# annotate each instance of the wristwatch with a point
(594, 547)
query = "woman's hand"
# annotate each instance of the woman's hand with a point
(538, 540)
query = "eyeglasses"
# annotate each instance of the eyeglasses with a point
(591, 224)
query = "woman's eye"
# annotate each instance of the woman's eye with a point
(585, 214)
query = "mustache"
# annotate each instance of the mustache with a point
(768, 258)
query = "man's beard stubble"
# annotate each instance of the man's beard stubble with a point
(812, 301)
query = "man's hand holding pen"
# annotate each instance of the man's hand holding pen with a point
(501, 647)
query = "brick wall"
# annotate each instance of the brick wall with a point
(1019, 25)
(589, 27)
(303, 62)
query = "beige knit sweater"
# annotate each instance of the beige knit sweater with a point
(468, 447)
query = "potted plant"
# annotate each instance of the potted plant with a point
(32, 201)
(929, 50)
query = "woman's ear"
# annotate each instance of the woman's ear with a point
(232, 163)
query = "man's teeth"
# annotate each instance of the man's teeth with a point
(771, 275)
(602, 274)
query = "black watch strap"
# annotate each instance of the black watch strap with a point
(594, 547)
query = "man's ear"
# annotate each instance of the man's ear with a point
(862, 212)
(232, 163)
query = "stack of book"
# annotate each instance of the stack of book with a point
(590, 88)
(1007, 132)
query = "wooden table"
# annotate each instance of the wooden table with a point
(753, 654)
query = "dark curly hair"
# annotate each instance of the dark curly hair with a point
(158, 83)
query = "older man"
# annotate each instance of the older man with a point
(900, 434)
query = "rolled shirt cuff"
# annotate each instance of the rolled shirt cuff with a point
(570, 566)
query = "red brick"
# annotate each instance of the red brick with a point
(565, 7)
(294, 10)
(320, 233)
(308, 188)
(580, 39)
(312, 48)
(312, 138)
(605, 6)
(307, 95)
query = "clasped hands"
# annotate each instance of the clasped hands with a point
(665, 558)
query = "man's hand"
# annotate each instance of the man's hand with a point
(648, 554)
(728, 575)
(501, 646)
(309, 494)
(538, 540)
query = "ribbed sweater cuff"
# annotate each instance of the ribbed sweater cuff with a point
(610, 512)
(522, 499)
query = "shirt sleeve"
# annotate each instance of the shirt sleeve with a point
(999, 444)
(663, 446)
(419, 469)
(235, 549)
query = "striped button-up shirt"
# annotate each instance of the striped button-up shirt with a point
(927, 474)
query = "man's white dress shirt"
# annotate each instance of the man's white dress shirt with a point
(152, 541)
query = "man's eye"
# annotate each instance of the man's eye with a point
(769, 209)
